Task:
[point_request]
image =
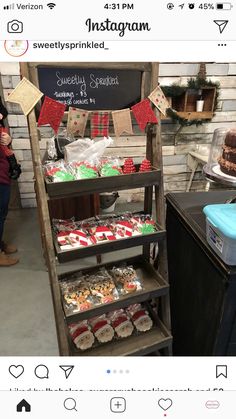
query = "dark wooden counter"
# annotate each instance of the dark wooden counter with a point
(202, 286)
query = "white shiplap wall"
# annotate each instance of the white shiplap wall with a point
(175, 158)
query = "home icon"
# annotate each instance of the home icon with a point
(23, 406)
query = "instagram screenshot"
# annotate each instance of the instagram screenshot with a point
(117, 209)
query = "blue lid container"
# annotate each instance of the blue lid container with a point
(223, 217)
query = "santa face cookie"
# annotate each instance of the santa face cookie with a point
(123, 327)
(120, 323)
(85, 340)
(101, 328)
(81, 335)
(142, 321)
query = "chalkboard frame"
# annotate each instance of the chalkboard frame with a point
(91, 89)
(144, 68)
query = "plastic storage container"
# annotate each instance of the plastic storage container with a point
(221, 230)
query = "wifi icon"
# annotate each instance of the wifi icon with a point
(51, 5)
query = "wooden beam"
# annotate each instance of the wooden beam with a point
(45, 225)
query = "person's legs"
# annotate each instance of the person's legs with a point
(4, 202)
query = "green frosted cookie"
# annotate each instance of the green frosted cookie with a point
(61, 176)
(148, 229)
(109, 170)
(85, 172)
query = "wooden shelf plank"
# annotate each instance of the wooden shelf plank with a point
(102, 184)
(106, 247)
(154, 287)
(135, 345)
(192, 115)
(196, 115)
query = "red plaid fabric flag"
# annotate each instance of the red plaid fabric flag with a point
(143, 114)
(99, 124)
(51, 113)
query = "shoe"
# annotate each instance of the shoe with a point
(7, 260)
(8, 248)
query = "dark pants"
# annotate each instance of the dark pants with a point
(4, 202)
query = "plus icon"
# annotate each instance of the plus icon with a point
(118, 405)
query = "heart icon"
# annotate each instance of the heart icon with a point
(165, 404)
(16, 370)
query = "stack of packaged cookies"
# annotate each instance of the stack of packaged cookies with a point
(118, 324)
(73, 234)
(62, 171)
(83, 292)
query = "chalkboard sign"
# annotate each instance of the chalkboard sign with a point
(91, 89)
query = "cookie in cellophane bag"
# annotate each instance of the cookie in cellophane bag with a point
(102, 328)
(121, 323)
(99, 232)
(102, 287)
(84, 170)
(126, 279)
(110, 167)
(140, 317)
(143, 224)
(76, 296)
(81, 335)
(58, 172)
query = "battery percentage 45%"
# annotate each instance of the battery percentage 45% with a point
(207, 6)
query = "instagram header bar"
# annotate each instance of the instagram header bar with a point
(119, 30)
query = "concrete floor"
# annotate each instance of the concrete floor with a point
(27, 320)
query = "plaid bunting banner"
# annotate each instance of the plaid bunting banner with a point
(77, 120)
(51, 113)
(122, 122)
(159, 100)
(26, 94)
(143, 114)
(99, 124)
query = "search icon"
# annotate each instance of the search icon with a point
(70, 404)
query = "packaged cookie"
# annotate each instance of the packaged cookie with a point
(143, 224)
(76, 296)
(81, 335)
(85, 170)
(100, 232)
(140, 317)
(121, 226)
(126, 279)
(58, 172)
(64, 241)
(102, 287)
(102, 329)
(121, 323)
(63, 225)
(110, 167)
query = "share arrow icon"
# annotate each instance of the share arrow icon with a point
(221, 24)
(67, 369)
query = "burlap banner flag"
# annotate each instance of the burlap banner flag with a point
(143, 114)
(77, 120)
(159, 100)
(51, 113)
(99, 124)
(26, 95)
(122, 122)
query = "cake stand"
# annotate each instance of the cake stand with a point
(213, 173)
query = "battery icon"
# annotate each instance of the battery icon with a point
(224, 6)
